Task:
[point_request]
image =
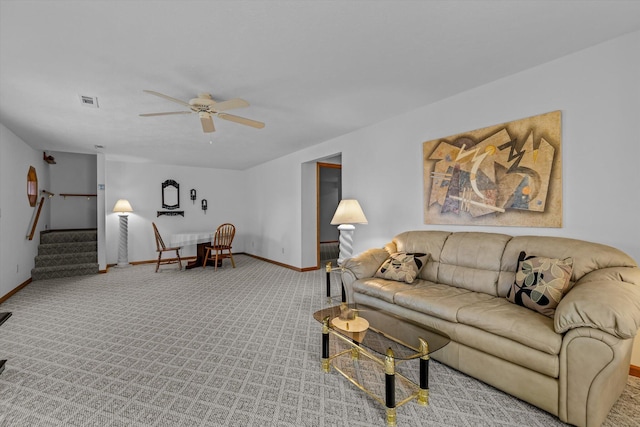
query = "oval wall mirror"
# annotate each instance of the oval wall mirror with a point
(32, 186)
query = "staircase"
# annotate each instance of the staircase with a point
(66, 253)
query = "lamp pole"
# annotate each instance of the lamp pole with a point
(346, 242)
(123, 246)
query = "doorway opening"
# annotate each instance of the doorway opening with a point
(329, 194)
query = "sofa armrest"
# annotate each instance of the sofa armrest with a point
(613, 306)
(367, 263)
(364, 265)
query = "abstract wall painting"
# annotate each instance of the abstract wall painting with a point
(505, 175)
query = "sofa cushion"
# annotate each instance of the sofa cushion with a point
(512, 321)
(426, 241)
(540, 282)
(437, 299)
(471, 260)
(402, 266)
(383, 288)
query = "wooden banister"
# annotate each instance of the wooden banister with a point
(65, 195)
(35, 222)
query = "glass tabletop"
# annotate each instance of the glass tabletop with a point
(384, 330)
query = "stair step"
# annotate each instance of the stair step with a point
(68, 236)
(67, 248)
(66, 259)
(54, 272)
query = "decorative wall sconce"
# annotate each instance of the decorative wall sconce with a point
(204, 205)
(193, 195)
(49, 159)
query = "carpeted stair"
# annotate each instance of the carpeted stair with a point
(66, 253)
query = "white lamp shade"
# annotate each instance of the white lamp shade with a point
(349, 212)
(122, 206)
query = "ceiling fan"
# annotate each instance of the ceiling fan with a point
(206, 107)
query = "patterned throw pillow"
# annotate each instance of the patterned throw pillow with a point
(402, 266)
(540, 282)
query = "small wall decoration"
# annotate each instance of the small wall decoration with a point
(204, 205)
(32, 186)
(170, 198)
(505, 175)
(192, 195)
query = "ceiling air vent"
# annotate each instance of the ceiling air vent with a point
(89, 101)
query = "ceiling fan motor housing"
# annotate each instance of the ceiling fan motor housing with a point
(202, 102)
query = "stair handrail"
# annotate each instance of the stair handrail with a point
(35, 222)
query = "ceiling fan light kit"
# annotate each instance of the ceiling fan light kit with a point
(206, 107)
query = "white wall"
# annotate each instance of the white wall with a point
(73, 174)
(101, 208)
(275, 194)
(141, 184)
(598, 93)
(16, 252)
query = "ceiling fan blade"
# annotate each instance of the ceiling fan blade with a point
(241, 120)
(161, 95)
(165, 114)
(207, 122)
(230, 104)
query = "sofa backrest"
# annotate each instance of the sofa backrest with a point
(429, 242)
(469, 260)
(587, 256)
(487, 262)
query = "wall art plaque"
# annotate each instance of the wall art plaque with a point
(505, 175)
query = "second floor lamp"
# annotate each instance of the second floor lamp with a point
(123, 207)
(348, 213)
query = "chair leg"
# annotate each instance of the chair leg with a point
(179, 262)
(206, 258)
(232, 261)
(158, 264)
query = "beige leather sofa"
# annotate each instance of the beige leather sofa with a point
(573, 365)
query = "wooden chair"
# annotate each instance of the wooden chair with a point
(160, 248)
(221, 247)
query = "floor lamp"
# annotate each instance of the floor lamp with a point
(123, 207)
(348, 213)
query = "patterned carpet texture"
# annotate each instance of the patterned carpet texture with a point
(236, 347)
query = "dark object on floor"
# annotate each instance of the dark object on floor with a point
(3, 318)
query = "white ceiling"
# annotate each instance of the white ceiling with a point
(311, 70)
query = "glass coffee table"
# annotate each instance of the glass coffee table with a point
(385, 339)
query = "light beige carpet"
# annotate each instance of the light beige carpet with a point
(236, 347)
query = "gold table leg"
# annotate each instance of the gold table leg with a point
(390, 387)
(423, 393)
(326, 364)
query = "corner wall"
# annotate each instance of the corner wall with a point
(16, 252)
